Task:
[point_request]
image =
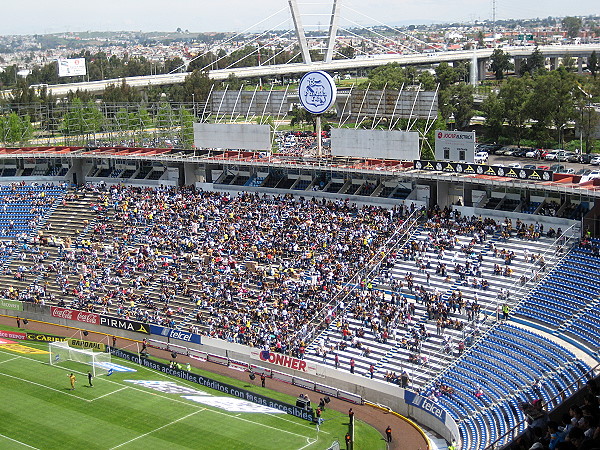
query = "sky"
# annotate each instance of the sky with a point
(43, 16)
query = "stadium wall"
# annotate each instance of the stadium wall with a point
(358, 199)
(378, 392)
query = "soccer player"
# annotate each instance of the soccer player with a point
(72, 380)
(90, 378)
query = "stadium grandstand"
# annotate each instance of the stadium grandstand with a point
(470, 301)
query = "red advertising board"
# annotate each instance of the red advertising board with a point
(73, 314)
(13, 335)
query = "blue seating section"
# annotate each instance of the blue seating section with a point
(24, 207)
(569, 293)
(507, 366)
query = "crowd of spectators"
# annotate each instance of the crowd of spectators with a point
(577, 429)
(255, 269)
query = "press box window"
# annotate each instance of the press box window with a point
(446, 154)
(461, 155)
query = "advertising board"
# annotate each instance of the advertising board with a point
(71, 67)
(455, 145)
(214, 384)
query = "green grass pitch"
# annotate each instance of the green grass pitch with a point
(38, 410)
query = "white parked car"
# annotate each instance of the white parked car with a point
(595, 161)
(531, 154)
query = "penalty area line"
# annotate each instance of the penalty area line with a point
(157, 429)
(44, 386)
(109, 393)
(18, 442)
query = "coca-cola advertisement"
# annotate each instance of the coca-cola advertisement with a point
(73, 314)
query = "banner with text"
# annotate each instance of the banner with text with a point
(74, 314)
(72, 67)
(45, 337)
(124, 324)
(418, 401)
(175, 334)
(484, 169)
(216, 385)
(13, 335)
(15, 305)
(284, 361)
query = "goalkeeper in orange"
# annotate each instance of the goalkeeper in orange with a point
(72, 380)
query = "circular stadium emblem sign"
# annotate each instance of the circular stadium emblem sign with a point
(317, 92)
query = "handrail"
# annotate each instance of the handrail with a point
(516, 286)
(405, 228)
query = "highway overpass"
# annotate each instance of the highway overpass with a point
(550, 51)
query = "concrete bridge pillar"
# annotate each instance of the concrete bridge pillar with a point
(553, 63)
(518, 62)
(482, 65)
(580, 65)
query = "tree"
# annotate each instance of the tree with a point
(493, 111)
(445, 75)
(592, 63)
(537, 61)
(568, 62)
(82, 119)
(514, 94)
(572, 25)
(457, 100)
(121, 93)
(500, 63)
(551, 101)
(427, 81)
(300, 116)
(15, 129)
(391, 76)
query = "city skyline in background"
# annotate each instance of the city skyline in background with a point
(37, 17)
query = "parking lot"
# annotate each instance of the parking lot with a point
(539, 162)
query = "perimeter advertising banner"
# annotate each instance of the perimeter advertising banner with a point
(15, 305)
(71, 67)
(284, 361)
(73, 314)
(175, 334)
(214, 384)
(13, 335)
(425, 404)
(484, 169)
(124, 324)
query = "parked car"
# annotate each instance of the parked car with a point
(481, 157)
(521, 152)
(595, 161)
(557, 155)
(504, 150)
(573, 157)
(559, 168)
(515, 165)
(529, 166)
(590, 176)
(543, 167)
(531, 154)
(585, 158)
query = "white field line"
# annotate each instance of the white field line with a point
(18, 442)
(174, 399)
(44, 386)
(157, 429)
(308, 444)
(107, 394)
(5, 361)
